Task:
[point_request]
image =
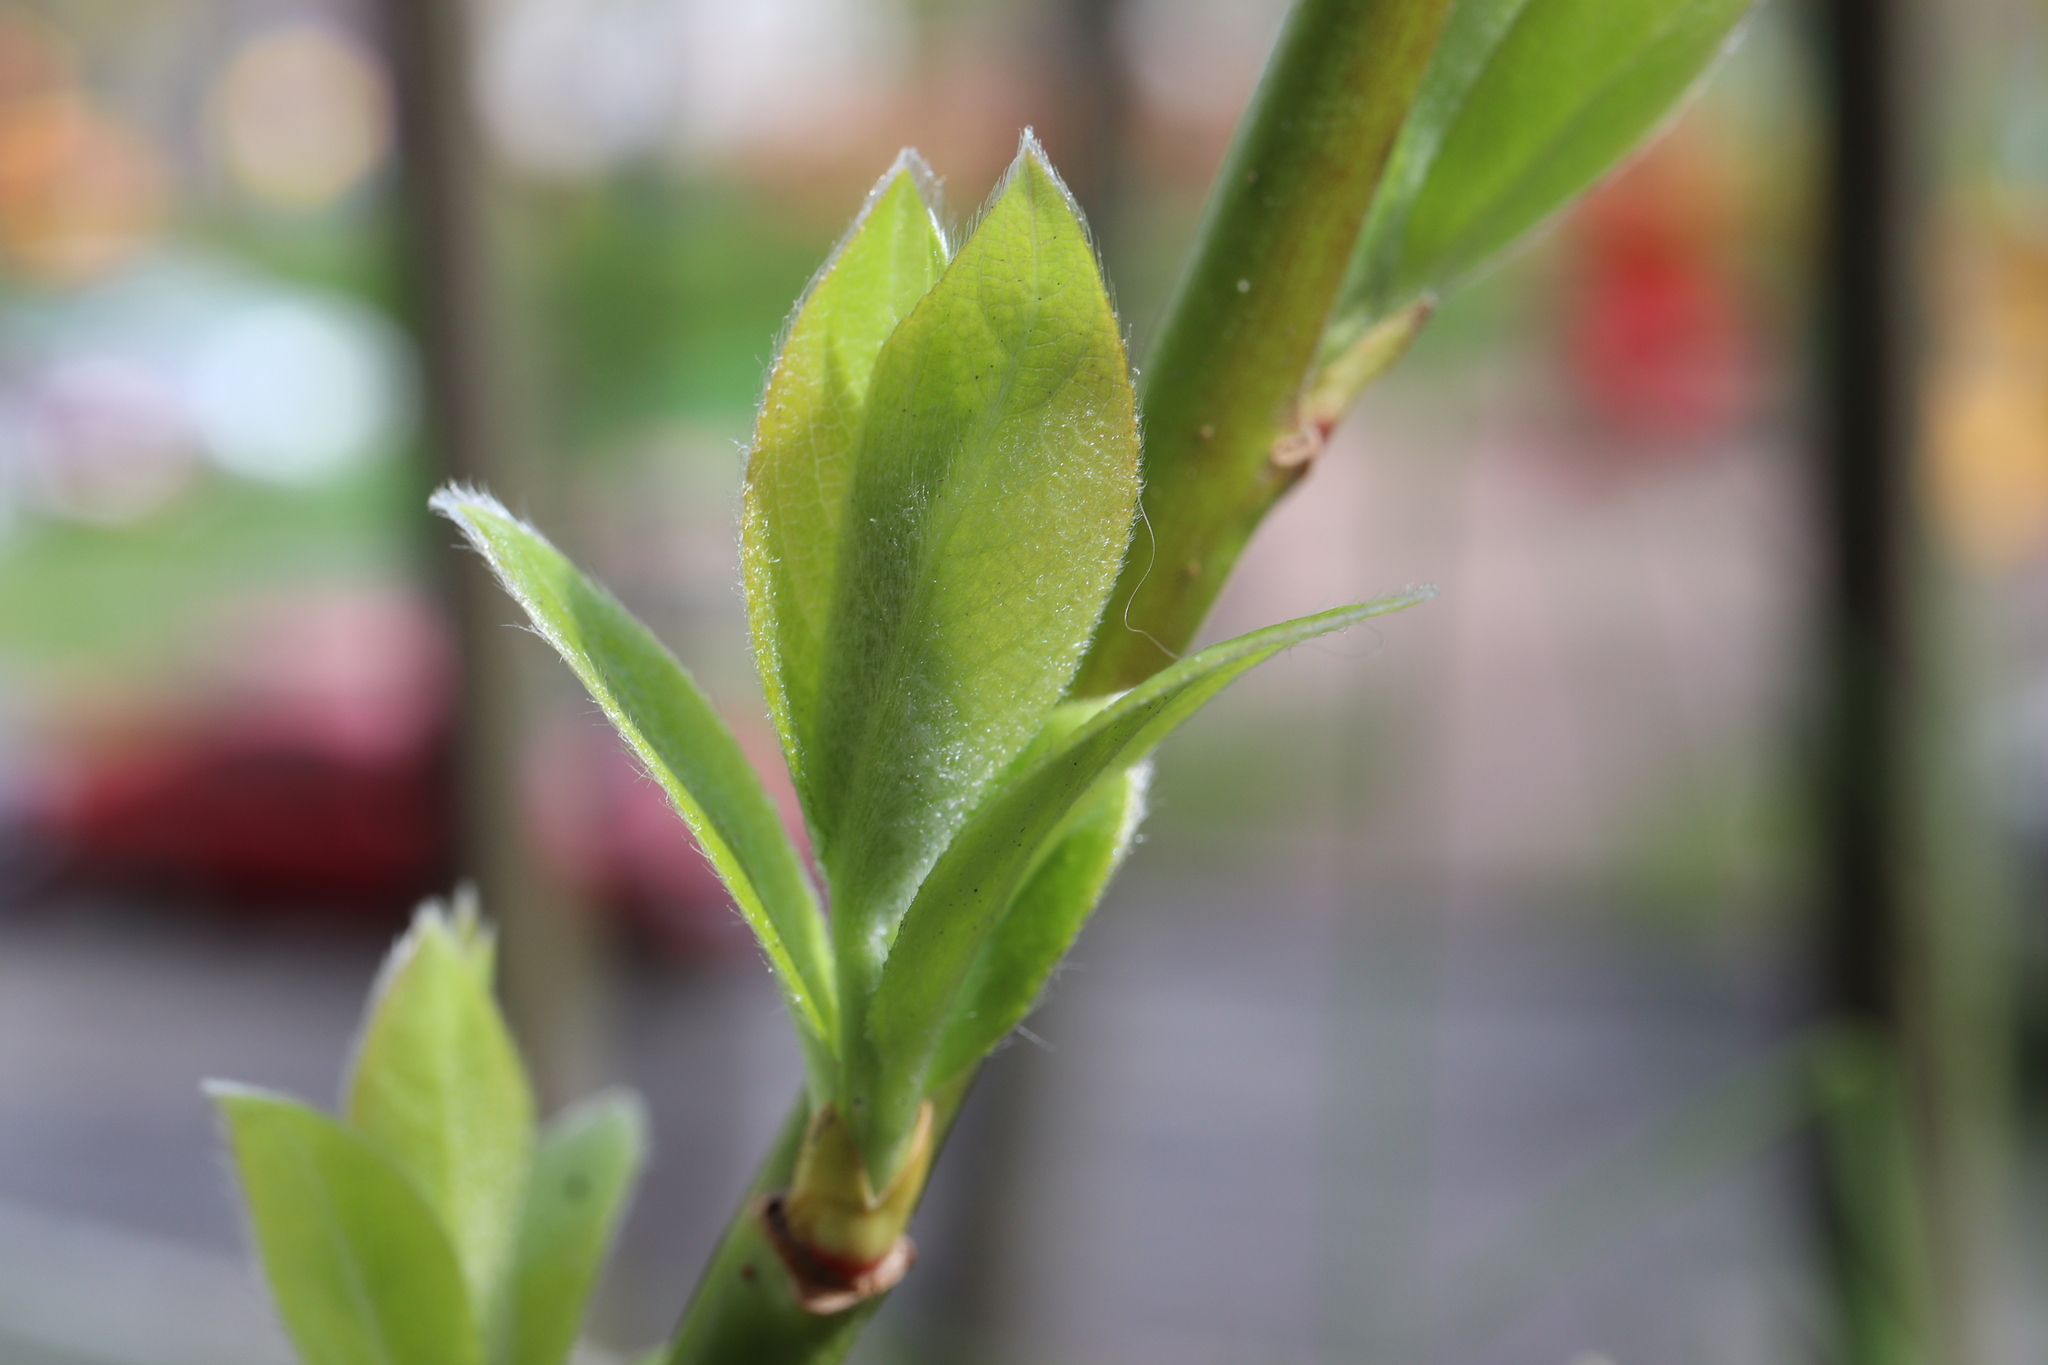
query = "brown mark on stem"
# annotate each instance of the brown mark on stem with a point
(1336, 382)
(825, 1284)
(842, 1242)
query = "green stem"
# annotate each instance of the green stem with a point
(1221, 392)
(744, 1310)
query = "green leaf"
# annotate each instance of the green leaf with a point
(361, 1270)
(1033, 935)
(1526, 104)
(672, 727)
(799, 469)
(990, 507)
(582, 1172)
(438, 1087)
(986, 865)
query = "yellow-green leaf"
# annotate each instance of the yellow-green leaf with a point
(986, 865)
(990, 506)
(1040, 926)
(438, 1087)
(805, 438)
(360, 1267)
(583, 1170)
(1526, 103)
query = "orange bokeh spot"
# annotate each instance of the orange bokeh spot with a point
(79, 193)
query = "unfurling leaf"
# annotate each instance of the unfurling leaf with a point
(1040, 926)
(983, 869)
(1526, 104)
(799, 470)
(583, 1170)
(425, 1228)
(361, 1270)
(990, 503)
(439, 1089)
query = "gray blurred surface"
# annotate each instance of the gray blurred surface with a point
(1265, 1122)
(1169, 1156)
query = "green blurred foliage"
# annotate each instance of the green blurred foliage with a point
(660, 298)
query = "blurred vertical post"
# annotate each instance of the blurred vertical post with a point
(1867, 417)
(1094, 110)
(1893, 1201)
(457, 294)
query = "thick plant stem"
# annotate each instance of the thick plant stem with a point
(745, 1307)
(1225, 428)
(745, 1310)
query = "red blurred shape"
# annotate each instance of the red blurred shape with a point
(313, 770)
(607, 829)
(1657, 339)
(306, 764)
(259, 814)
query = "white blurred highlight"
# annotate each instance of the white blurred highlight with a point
(296, 390)
(568, 88)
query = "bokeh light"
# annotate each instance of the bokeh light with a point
(296, 390)
(115, 442)
(302, 115)
(80, 192)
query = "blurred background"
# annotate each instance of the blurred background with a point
(1447, 1012)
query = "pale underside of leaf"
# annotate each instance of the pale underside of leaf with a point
(671, 726)
(583, 1170)
(1035, 932)
(360, 1268)
(438, 1087)
(805, 438)
(1526, 104)
(982, 870)
(992, 500)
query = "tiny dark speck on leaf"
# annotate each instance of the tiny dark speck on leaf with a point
(747, 1271)
(575, 1187)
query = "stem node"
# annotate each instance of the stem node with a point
(824, 1284)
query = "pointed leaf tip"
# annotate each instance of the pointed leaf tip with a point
(802, 462)
(1000, 414)
(672, 727)
(1525, 105)
(438, 1087)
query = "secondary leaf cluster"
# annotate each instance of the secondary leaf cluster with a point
(1525, 104)
(1393, 149)
(939, 496)
(427, 1226)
